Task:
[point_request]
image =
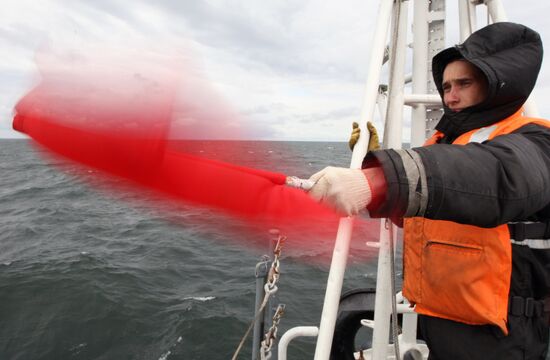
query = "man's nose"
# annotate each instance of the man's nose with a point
(452, 95)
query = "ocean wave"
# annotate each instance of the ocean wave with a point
(200, 298)
(94, 269)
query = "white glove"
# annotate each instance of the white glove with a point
(345, 190)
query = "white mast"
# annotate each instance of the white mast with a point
(343, 238)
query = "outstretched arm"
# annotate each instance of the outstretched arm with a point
(485, 184)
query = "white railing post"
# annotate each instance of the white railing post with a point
(343, 238)
(373, 79)
(392, 139)
(466, 26)
(420, 71)
(496, 10)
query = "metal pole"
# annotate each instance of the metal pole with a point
(473, 16)
(382, 104)
(420, 72)
(393, 126)
(467, 18)
(464, 19)
(392, 139)
(418, 127)
(334, 289)
(261, 277)
(291, 335)
(373, 79)
(343, 237)
(422, 99)
(530, 108)
(496, 10)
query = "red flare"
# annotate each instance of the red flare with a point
(123, 129)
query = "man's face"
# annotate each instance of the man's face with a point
(464, 85)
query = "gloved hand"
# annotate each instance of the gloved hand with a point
(374, 141)
(345, 190)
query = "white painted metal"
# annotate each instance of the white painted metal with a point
(382, 300)
(496, 10)
(373, 79)
(421, 18)
(410, 319)
(436, 15)
(393, 125)
(530, 108)
(343, 238)
(464, 19)
(473, 15)
(404, 309)
(382, 102)
(293, 333)
(421, 99)
(467, 18)
(420, 74)
(392, 139)
(436, 43)
(334, 288)
(367, 323)
(367, 354)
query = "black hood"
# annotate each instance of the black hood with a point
(510, 56)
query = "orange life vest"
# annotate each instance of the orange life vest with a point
(461, 272)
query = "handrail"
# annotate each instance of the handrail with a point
(293, 333)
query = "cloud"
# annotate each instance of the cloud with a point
(288, 67)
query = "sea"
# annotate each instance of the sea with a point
(94, 268)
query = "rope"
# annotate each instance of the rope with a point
(258, 313)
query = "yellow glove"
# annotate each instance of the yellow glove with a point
(354, 137)
(374, 141)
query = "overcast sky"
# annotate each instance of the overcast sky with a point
(296, 68)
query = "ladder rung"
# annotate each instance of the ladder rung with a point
(436, 16)
(427, 99)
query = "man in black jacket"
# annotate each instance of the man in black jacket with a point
(475, 203)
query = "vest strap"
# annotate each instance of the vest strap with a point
(520, 231)
(529, 307)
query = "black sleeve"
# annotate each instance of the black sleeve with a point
(488, 184)
(396, 198)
